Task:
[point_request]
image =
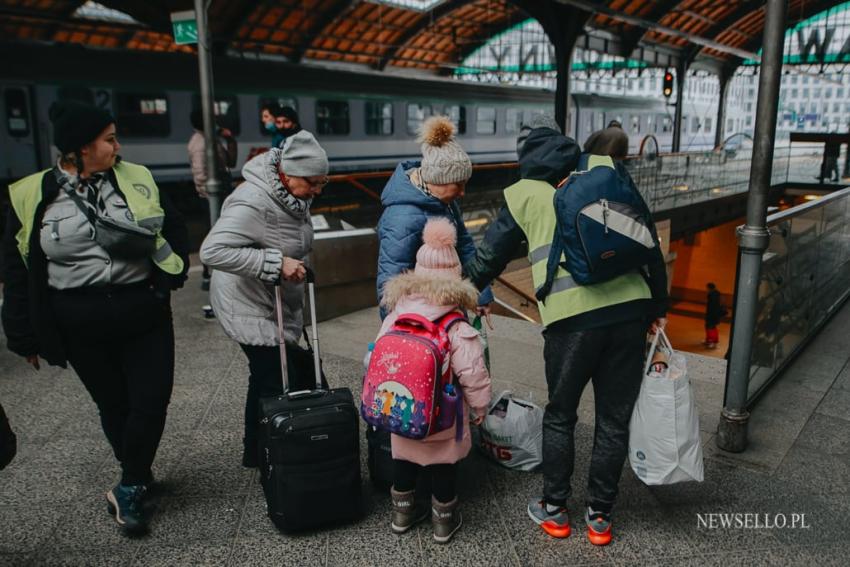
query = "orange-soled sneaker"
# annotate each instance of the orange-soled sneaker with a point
(598, 527)
(556, 524)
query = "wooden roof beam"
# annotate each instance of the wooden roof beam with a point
(594, 8)
(421, 25)
(631, 40)
(745, 7)
(326, 18)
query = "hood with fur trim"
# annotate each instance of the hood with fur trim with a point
(436, 291)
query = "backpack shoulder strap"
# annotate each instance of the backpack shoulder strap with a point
(449, 319)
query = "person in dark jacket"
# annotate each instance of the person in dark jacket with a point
(418, 191)
(79, 292)
(714, 312)
(594, 332)
(286, 124)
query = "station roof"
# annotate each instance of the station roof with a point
(431, 35)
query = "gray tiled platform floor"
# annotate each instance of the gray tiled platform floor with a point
(210, 511)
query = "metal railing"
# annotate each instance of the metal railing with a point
(805, 278)
(668, 181)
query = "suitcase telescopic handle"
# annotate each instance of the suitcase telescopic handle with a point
(284, 371)
(311, 291)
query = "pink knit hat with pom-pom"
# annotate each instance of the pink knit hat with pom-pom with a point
(437, 257)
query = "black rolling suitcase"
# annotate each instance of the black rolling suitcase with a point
(380, 458)
(309, 448)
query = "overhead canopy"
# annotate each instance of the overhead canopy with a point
(429, 35)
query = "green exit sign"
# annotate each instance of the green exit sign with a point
(185, 27)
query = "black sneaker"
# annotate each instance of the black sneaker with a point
(125, 505)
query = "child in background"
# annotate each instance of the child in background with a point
(433, 289)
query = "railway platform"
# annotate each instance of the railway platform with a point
(210, 510)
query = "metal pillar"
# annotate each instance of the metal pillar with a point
(754, 237)
(564, 58)
(213, 184)
(720, 128)
(681, 71)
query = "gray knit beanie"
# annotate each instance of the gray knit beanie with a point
(443, 160)
(302, 156)
(537, 120)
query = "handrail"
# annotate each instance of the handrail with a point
(817, 203)
(515, 289)
(513, 310)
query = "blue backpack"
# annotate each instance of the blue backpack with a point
(604, 228)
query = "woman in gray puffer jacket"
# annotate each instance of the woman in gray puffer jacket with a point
(262, 238)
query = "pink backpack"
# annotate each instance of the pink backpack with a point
(405, 387)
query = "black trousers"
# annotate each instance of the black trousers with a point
(442, 476)
(612, 357)
(265, 379)
(120, 342)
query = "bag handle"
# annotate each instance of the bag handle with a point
(278, 293)
(415, 320)
(284, 371)
(659, 340)
(505, 394)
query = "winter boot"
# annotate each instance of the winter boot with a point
(446, 519)
(406, 513)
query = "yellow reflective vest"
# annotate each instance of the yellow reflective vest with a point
(139, 189)
(530, 204)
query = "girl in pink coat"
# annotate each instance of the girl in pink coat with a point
(433, 289)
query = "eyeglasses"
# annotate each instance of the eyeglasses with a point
(317, 184)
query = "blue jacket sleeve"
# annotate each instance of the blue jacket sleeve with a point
(466, 251)
(400, 236)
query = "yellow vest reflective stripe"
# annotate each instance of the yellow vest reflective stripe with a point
(530, 203)
(142, 196)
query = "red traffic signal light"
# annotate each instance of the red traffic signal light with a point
(667, 89)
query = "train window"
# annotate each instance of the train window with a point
(730, 125)
(17, 113)
(457, 114)
(142, 115)
(332, 117)
(416, 114)
(485, 118)
(379, 118)
(513, 120)
(635, 124)
(666, 124)
(81, 94)
(706, 125)
(266, 101)
(226, 110)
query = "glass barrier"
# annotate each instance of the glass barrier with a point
(668, 181)
(805, 278)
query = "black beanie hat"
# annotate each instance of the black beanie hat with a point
(75, 124)
(290, 114)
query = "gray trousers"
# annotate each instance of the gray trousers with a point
(612, 357)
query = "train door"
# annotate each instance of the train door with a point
(19, 136)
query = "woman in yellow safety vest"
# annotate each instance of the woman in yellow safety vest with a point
(91, 252)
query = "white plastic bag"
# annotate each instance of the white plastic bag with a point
(512, 433)
(664, 440)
